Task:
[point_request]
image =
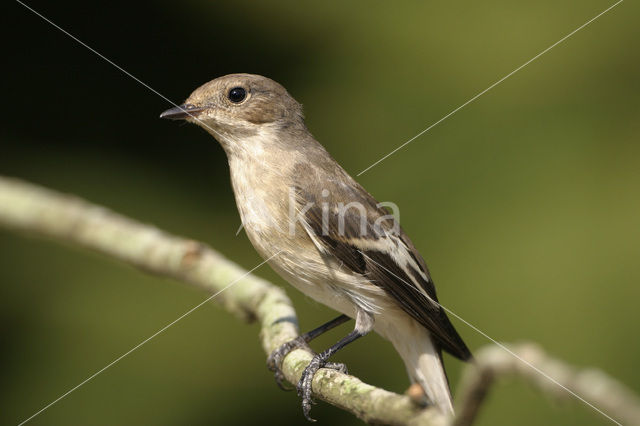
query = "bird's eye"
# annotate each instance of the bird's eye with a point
(237, 95)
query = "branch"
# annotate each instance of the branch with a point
(597, 390)
(29, 208)
(39, 211)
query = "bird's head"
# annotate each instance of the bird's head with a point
(238, 106)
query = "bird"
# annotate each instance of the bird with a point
(324, 233)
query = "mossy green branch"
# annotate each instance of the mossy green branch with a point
(29, 208)
(36, 210)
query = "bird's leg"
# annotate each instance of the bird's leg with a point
(274, 361)
(364, 324)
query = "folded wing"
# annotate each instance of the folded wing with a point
(382, 253)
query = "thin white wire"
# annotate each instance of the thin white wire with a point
(186, 313)
(143, 342)
(111, 62)
(536, 369)
(490, 87)
(363, 171)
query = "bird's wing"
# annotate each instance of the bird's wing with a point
(382, 253)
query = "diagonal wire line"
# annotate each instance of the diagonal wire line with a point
(67, 33)
(186, 313)
(115, 361)
(384, 157)
(490, 87)
(536, 369)
(76, 39)
(363, 171)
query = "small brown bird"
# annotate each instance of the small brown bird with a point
(323, 232)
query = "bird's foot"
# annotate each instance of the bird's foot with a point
(304, 385)
(274, 361)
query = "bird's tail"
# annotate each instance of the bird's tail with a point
(423, 361)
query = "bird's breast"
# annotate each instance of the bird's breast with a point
(261, 195)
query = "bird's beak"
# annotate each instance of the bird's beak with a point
(182, 112)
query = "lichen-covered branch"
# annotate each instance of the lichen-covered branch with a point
(36, 210)
(33, 209)
(604, 395)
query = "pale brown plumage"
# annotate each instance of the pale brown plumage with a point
(376, 276)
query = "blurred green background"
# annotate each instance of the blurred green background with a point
(525, 203)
